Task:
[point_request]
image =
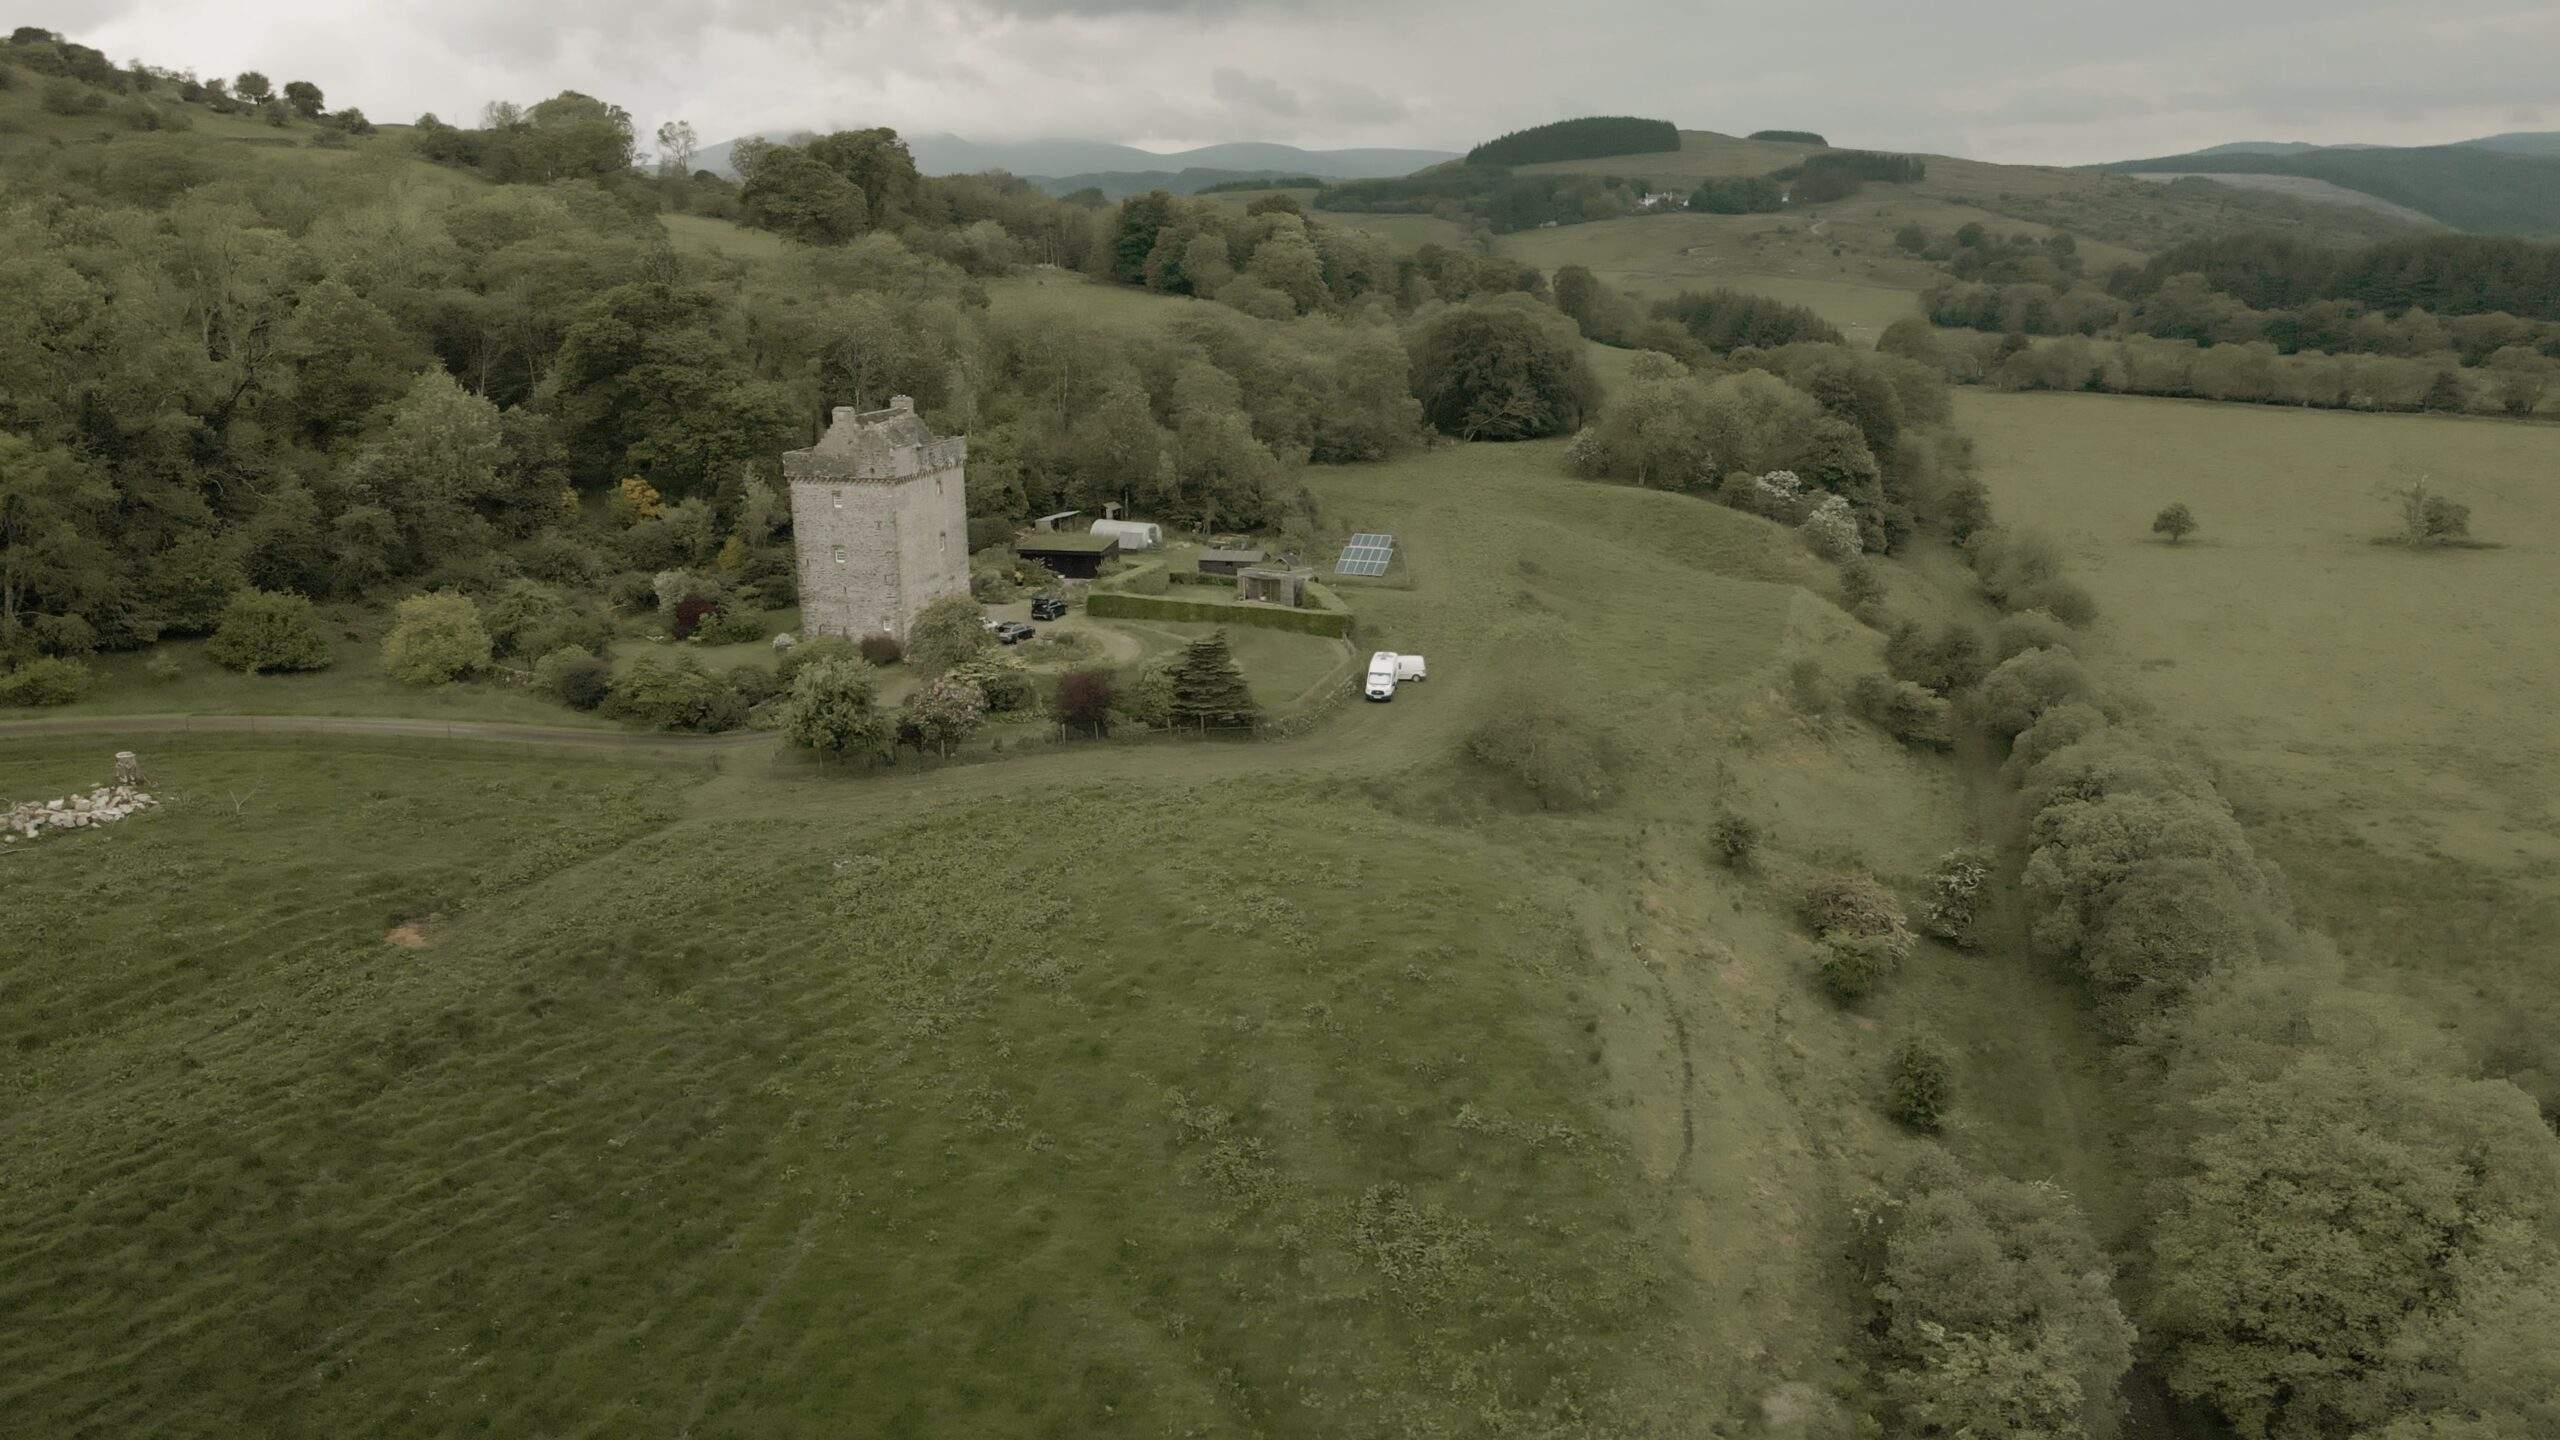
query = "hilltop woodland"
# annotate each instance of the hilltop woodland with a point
(2459, 323)
(461, 376)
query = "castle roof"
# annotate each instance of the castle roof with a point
(876, 444)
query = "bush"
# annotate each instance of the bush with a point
(1560, 765)
(1810, 689)
(1943, 663)
(730, 624)
(2064, 725)
(267, 630)
(833, 708)
(1853, 904)
(1955, 894)
(882, 649)
(1734, 837)
(1997, 1314)
(2025, 686)
(949, 631)
(436, 638)
(1907, 712)
(48, 681)
(1004, 684)
(2029, 630)
(163, 669)
(674, 693)
(1921, 1088)
(1831, 532)
(1084, 700)
(70, 97)
(573, 677)
(1852, 966)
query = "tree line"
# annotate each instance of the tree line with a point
(1590, 137)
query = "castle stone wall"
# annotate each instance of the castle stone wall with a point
(879, 518)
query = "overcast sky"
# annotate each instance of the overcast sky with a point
(2059, 81)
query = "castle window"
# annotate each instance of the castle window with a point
(839, 495)
(839, 554)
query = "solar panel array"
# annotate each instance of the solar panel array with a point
(1366, 554)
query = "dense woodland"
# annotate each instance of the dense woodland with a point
(2436, 322)
(1591, 137)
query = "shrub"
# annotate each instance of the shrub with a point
(435, 638)
(163, 669)
(1920, 1090)
(265, 630)
(1005, 686)
(63, 635)
(1861, 586)
(1943, 663)
(733, 623)
(687, 615)
(1810, 690)
(1905, 711)
(942, 715)
(573, 677)
(1734, 837)
(1997, 1314)
(674, 693)
(1831, 531)
(1853, 904)
(1955, 894)
(2064, 725)
(2065, 600)
(51, 680)
(2029, 630)
(1084, 700)
(1551, 756)
(882, 649)
(949, 631)
(834, 709)
(1852, 966)
(2025, 686)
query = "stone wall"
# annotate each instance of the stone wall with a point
(879, 520)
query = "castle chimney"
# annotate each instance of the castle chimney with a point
(906, 403)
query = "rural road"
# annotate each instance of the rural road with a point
(359, 725)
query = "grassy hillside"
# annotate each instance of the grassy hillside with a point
(1176, 1087)
(2377, 708)
(2466, 186)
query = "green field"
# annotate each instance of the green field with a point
(1196, 1087)
(2382, 714)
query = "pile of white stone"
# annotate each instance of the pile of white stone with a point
(103, 806)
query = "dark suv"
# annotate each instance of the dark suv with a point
(1048, 607)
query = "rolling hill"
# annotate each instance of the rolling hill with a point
(1087, 160)
(2501, 185)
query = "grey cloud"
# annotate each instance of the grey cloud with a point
(1256, 93)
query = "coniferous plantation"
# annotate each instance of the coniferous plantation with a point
(662, 785)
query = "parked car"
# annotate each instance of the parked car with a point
(1048, 607)
(1013, 632)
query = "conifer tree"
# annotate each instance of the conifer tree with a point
(1208, 689)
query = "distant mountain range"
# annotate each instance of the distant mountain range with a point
(1060, 166)
(2496, 185)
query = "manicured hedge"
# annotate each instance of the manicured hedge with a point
(1114, 605)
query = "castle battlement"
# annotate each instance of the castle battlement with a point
(875, 445)
(879, 521)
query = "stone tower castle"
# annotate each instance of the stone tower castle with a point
(879, 520)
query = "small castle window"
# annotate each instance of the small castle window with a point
(839, 496)
(839, 554)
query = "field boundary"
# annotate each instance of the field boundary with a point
(373, 726)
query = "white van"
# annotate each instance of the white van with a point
(1386, 667)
